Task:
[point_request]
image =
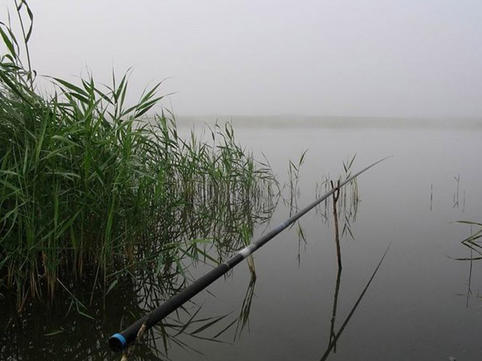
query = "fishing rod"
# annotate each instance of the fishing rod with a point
(120, 341)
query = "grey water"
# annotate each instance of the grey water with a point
(423, 304)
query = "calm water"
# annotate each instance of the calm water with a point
(422, 304)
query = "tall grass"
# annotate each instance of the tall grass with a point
(87, 183)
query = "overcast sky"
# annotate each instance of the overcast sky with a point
(411, 58)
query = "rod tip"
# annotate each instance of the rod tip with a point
(117, 342)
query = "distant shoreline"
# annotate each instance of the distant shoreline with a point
(330, 122)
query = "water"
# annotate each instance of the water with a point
(422, 304)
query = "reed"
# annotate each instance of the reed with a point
(89, 185)
(473, 241)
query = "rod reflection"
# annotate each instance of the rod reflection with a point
(335, 335)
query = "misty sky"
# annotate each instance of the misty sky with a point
(407, 58)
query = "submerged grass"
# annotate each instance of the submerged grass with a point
(88, 185)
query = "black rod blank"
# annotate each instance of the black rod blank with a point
(120, 341)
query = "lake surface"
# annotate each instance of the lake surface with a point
(422, 305)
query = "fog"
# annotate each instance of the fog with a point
(346, 58)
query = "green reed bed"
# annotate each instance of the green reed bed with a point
(88, 183)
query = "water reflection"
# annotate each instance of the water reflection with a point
(335, 198)
(469, 281)
(456, 195)
(243, 318)
(334, 335)
(62, 335)
(142, 290)
(81, 318)
(332, 340)
(474, 244)
(52, 332)
(431, 197)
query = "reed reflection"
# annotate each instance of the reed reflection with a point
(77, 323)
(474, 245)
(335, 334)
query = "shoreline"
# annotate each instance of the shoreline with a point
(328, 122)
